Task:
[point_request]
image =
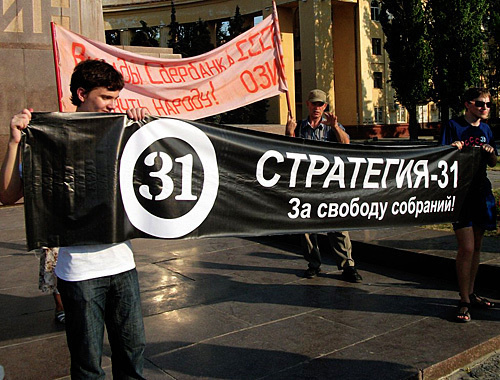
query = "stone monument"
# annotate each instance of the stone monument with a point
(27, 73)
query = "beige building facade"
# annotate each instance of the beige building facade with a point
(336, 45)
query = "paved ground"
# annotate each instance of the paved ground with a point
(494, 176)
(488, 368)
(239, 309)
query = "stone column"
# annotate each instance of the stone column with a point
(164, 37)
(316, 45)
(125, 37)
(27, 73)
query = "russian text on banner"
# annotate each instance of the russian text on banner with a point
(242, 71)
(93, 178)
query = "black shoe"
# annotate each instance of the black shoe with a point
(350, 274)
(311, 272)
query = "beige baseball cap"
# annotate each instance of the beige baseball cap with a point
(317, 95)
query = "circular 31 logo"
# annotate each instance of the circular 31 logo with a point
(141, 140)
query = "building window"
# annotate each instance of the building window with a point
(376, 46)
(377, 79)
(423, 114)
(375, 10)
(379, 115)
(400, 114)
(257, 20)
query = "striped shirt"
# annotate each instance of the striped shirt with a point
(322, 132)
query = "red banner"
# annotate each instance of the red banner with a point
(244, 70)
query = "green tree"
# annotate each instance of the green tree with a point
(145, 36)
(405, 26)
(236, 25)
(191, 39)
(457, 39)
(200, 41)
(186, 35)
(174, 31)
(492, 23)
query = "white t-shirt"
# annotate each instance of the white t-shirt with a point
(85, 262)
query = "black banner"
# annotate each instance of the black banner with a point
(99, 178)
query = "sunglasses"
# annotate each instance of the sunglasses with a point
(481, 104)
(318, 104)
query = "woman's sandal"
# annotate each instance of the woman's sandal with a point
(480, 302)
(61, 317)
(463, 314)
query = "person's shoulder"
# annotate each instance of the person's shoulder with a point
(302, 125)
(485, 127)
(484, 124)
(458, 122)
(304, 122)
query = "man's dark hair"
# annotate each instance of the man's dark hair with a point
(91, 74)
(474, 93)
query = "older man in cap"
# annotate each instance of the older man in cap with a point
(324, 126)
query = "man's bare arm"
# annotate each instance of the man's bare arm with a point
(11, 187)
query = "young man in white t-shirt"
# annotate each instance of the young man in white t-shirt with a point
(98, 283)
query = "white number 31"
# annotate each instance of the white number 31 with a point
(167, 184)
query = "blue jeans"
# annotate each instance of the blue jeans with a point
(113, 301)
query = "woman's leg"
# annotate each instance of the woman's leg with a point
(464, 262)
(478, 240)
